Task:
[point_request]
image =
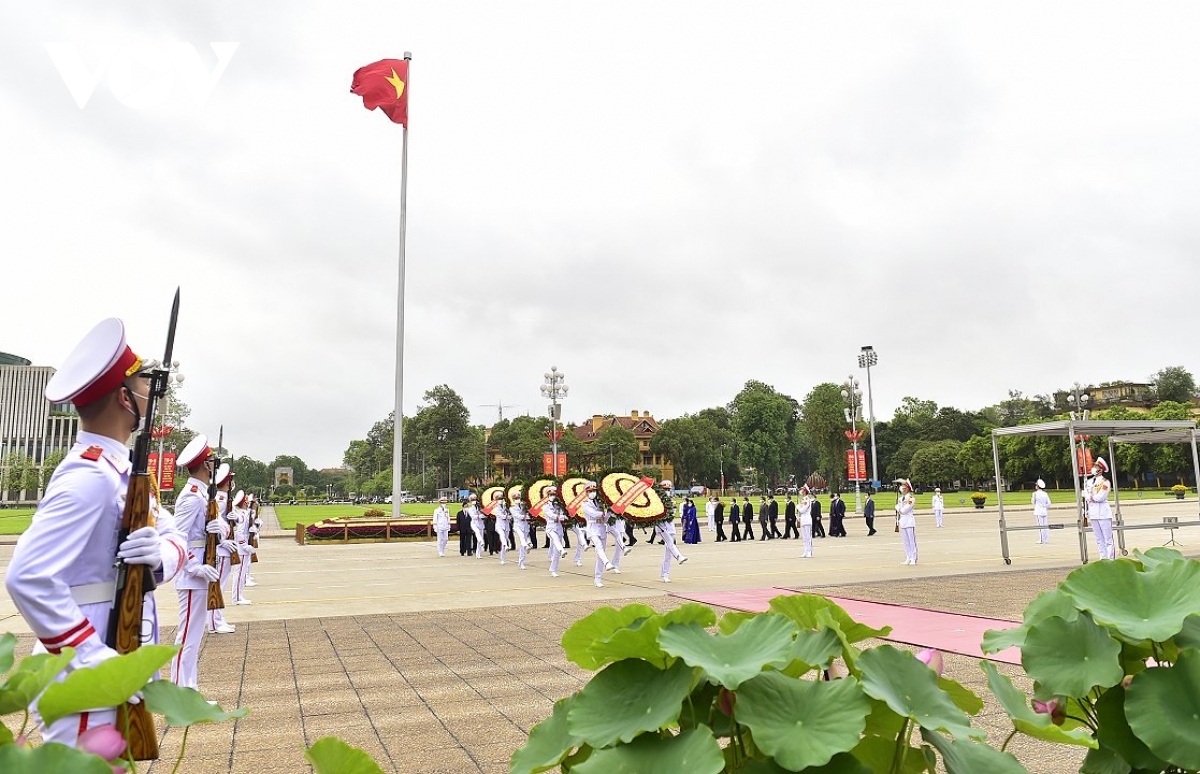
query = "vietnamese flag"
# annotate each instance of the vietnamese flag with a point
(384, 85)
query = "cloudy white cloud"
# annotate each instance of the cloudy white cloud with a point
(662, 199)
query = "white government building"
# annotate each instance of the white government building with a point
(31, 428)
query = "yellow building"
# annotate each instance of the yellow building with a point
(643, 426)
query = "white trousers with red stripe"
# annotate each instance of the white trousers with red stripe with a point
(193, 606)
(243, 572)
(217, 617)
(68, 729)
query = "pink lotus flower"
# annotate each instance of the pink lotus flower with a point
(1052, 708)
(105, 741)
(932, 659)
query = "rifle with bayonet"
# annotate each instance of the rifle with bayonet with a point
(215, 599)
(231, 520)
(134, 581)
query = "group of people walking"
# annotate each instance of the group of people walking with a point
(509, 527)
(742, 517)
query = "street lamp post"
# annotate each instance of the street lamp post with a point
(442, 435)
(554, 388)
(724, 446)
(610, 453)
(174, 379)
(1078, 400)
(853, 396)
(866, 359)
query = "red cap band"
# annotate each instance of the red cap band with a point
(109, 380)
(199, 459)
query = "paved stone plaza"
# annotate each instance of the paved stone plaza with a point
(444, 664)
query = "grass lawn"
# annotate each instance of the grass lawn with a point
(15, 521)
(290, 515)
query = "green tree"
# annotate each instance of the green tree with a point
(523, 442)
(617, 446)
(975, 458)
(679, 440)
(51, 463)
(1171, 458)
(251, 475)
(900, 464)
(822, 417)
(937, 463)
(763, 421)
(1174, 383)
(21, 475)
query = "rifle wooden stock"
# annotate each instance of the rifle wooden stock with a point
(234, 560)
(125, 620)
(215, 600)
(253, 535)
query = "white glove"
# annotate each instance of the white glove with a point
(141, 547)
(208, 573)
(228, 545)
(215, 527)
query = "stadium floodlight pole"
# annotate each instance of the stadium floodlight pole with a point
(866, 359)
(554, 388)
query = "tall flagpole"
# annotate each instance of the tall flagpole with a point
(397, 448)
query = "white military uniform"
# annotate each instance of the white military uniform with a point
(1099, 515)
(666, 533)
(710, 510)
(907, 520)
(554, 533)
(216, 618)
(1041, 512)
(521, 528)
(441, 525)
(581, 539)
(597, 530)
(62, 577)
(191, 509)
(477, 525)
(939, 505)
(241, 536)
(503, 527)
(616, 528)
(806, 524)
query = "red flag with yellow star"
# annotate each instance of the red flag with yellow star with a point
(384, 85)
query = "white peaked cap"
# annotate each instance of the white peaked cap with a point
(1041, 484)
(195, 452)
(239, 498)
(96, 366)
(223, 473)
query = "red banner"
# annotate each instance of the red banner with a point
(856, 465)
(168, 474)
(548, 464)
(1083, 457)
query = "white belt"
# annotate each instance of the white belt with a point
(93, 593)
(197, 543)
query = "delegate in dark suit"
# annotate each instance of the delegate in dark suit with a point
(748, 520)
(837, 513)
(764, 520)
(789, 519)
(466, 538)
(774, 510)
(719, 518)
(818, 527)
(869, 515)
(735, 517)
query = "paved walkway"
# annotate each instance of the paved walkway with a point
(444, 664)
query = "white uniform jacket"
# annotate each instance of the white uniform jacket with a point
(223, 509)
(191, 509)
(1096, 493)
(554, 517)
(938, 503)
(597, 518)
(1041, 503)
(441, 519)
(806, 511)
(62, 576)
(518, 513)
(241, 530)
(905, 507)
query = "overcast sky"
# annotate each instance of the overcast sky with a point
(662, 199)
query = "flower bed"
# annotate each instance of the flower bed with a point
(346, 529)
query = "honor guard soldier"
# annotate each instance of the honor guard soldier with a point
(666, 532)
(255, 529)
(241, 536)
(906, 520)
(1099, 512)
(216, 618)
(597, 531)
(441, 525)
(1041, 511)
(191, 584)
(62, 577)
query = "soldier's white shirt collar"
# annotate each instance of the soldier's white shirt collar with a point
(116, 452)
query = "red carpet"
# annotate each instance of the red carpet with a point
(948, 632)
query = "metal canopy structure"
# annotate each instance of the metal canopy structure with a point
(1117, 432)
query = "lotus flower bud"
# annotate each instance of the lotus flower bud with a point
(726, 701)
(932, 659)
(1052, 708)
(105, 741)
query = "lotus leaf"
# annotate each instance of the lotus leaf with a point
(107, 684)
(1036, 724)
(802, 722)
(640, 639)
(1142, 605)
(598, 626)
(1045, 605)
(626, 699)
(1069, 658)
(803, 608)
(966, 756)
(765, 641)
(1115, 734)
(330, 755)
(911, 689)
(694, 752)
(549, 742)
(1163, 709)
(185, 706)
(30, 678)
